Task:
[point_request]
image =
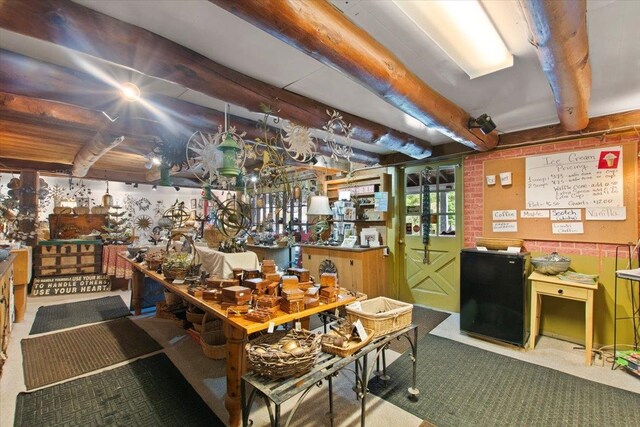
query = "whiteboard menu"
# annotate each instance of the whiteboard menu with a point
(577, 179)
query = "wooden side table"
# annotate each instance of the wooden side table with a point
(542, 284)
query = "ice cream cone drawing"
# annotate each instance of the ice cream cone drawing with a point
(609, 159)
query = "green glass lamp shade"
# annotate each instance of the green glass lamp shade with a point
(230, 149)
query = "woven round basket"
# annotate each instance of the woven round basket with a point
(195, 316)
(212, 339)
(171, 298)
(498, 243)
(283, 354)
(174, 273)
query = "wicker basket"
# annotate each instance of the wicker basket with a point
(498, 243)
(212, 340)
(171, 298)
(351, 347)
(283, 354)
(174, 273)
(383, 315)
(195, 316)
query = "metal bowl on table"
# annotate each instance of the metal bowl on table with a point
(551, 264)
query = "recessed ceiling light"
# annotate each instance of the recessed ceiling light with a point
(463, 30)
(129, 91)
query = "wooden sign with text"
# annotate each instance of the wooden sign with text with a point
(74, 284)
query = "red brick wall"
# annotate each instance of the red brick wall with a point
(473, 181)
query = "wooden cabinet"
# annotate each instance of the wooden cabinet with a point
(56, 258)
(6, 301)
(361, 269)
(21, 278)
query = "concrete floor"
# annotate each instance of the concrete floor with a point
(208, 376)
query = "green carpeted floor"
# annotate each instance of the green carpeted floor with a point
(61, 316)
(147, 392)
(461, 385)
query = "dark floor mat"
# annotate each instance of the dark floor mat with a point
(55, 317)
(426, 319)
(62, 355)
(461, 385)
(148, 392)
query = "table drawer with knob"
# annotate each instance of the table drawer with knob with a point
(561, 290)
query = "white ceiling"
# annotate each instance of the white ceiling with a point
(517, 98)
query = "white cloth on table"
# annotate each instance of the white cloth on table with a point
(220, 264)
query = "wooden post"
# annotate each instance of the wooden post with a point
(236, 367)
(137, 283)
(29, 186)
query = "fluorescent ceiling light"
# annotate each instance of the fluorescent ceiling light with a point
(463, 30)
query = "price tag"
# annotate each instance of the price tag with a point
(361, 332)
(298, 326)
(355, 306)
(272, 326)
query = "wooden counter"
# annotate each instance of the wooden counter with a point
(6, 301)
(359, 269)
(21, 278)
(236, 329)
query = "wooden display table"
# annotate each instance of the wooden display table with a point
(542, 284)
(236, 329)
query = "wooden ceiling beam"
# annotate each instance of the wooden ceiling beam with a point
(79, 28)
(323, 32)
(28, 79)
(15, 165)
(610, 123)
(559, 32)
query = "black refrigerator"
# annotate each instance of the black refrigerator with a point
(494, 295)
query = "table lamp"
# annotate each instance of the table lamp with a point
(319, 206)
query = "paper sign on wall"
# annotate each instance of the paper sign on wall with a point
(505, 227)
(567, 228)
(503, 215)
(566, 215)
(534, 213)
(606, 214)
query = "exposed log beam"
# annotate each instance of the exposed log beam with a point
(559, 31)
(82, 29)
(8, 164)
(596, 124)
(92, 151)
(610, 123)
(28, 79)
(320, 30)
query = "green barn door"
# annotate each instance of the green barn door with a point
(432, 280)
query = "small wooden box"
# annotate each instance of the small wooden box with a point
(290, 282)
(218, 282)
(257, 284)
(236, 294)
(292, 294)
(310, 302)
(305, 285)
(328, 279)
(250, 274)
(272, 277)
(292, 306)
(268, 269)
(328, 300)
(302, 273)
(329, 291)
(273, 288)
(267, 301)
(212, 295)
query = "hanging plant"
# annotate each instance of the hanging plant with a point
(172, 150)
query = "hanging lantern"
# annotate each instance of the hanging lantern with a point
(230, 149)
(107, 199)
(206, 190)
(165, 179)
